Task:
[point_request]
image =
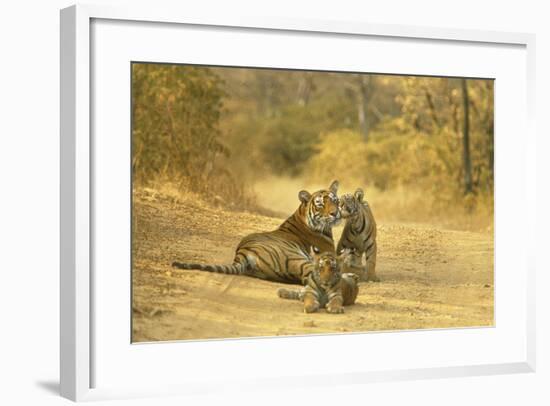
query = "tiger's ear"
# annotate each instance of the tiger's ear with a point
(304, 196)
(359, 194)
(334, 187)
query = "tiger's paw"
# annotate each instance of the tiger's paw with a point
(335, 310)
(312, 308)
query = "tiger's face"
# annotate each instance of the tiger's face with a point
(327, 268)
(350, 204)
(323, 210)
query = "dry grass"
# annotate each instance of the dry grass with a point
(231, 197)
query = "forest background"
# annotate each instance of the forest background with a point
(422, 148)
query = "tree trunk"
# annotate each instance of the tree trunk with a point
(305, 87)
(363, 98)
(431, 106)
(466, 139)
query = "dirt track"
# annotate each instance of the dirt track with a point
(431, 278)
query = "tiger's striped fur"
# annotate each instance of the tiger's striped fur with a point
(358, 237)
(282, 255)
(326, 287)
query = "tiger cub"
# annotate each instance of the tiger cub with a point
(325, 287)
(358, 237)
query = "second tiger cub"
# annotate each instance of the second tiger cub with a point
(358, 237)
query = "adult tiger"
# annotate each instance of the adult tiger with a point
(358, 237)
(282, 255)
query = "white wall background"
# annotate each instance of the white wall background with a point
(29, 202)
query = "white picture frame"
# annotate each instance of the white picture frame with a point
(77, 281)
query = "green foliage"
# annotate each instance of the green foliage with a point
(176, 111)
(273, 118)
(290, 138)
(378, 163)
(409, 159)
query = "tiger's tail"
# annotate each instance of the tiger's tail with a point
(236, 268)
(290, 294)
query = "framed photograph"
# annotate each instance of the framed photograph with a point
(239, 196)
